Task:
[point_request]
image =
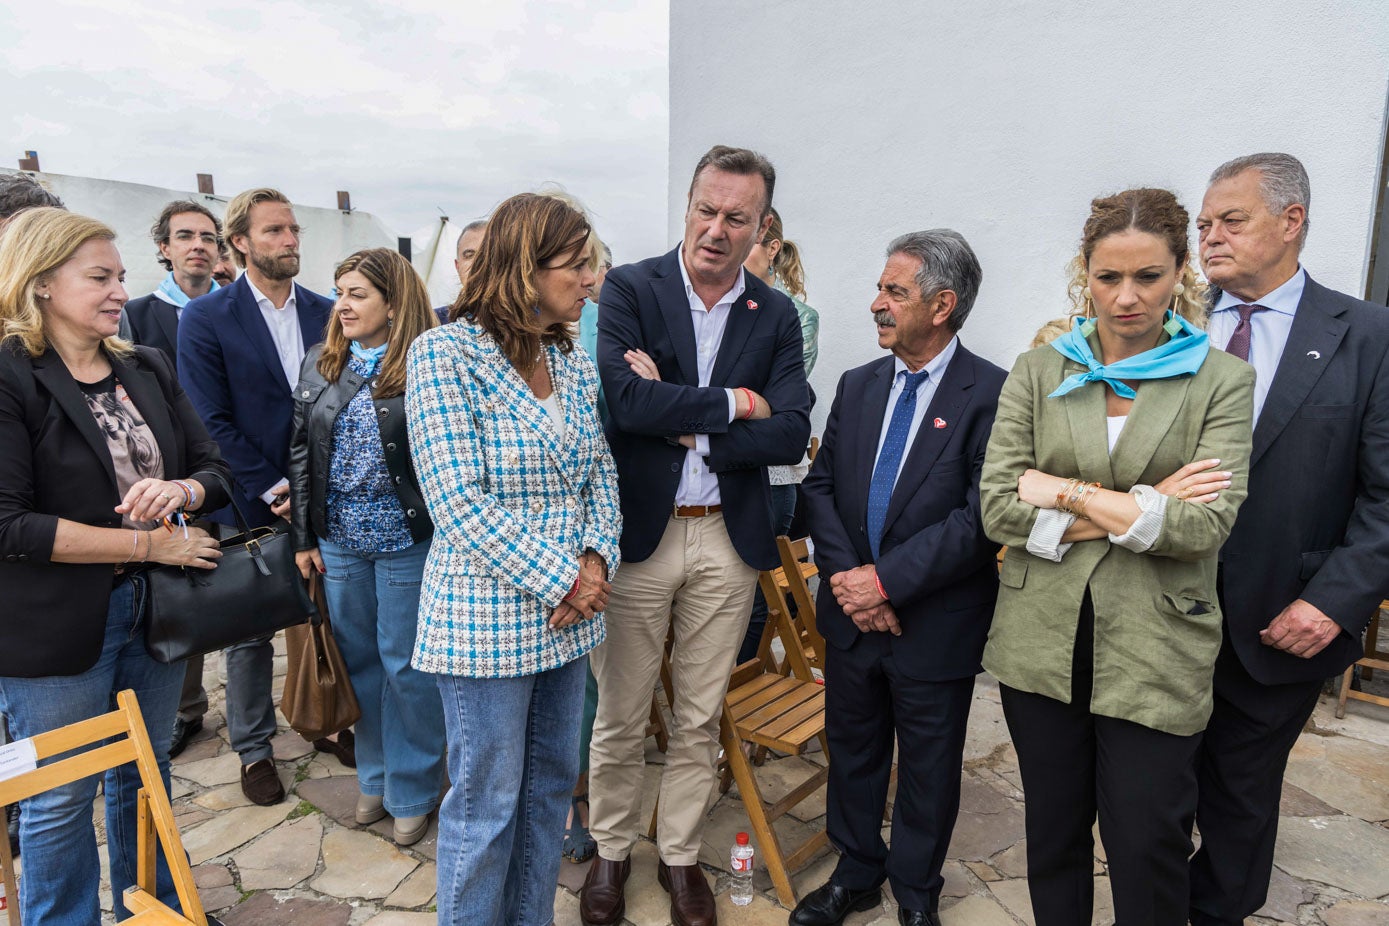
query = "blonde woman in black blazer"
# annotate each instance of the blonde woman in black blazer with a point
(89, 430)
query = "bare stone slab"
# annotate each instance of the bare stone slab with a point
(1348, 774)
(957, 883)
(566, 909)
(571, 875)
(219, 898)
(647, 903)
(1012, 862)
(1357, 913)
(263, 909)
(281, 858)
(210, 876)
(226, 797)
(218, 770)
(401, 918)
(1012, 894)
(1346, 853)
(358, 865)
(980, 836)
(761, 912)
(416, 890)
(204, 745)
(1285, 895)
(290, 746)
(983, 871)
(1296, 802)
(975, 910)
(232, 830)
(336, 797)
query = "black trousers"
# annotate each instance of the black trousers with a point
(1139, 781)
(869, 703)
(1243, 755)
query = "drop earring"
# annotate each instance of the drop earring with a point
(1087, 327)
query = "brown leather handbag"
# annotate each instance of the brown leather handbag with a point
(318, 699)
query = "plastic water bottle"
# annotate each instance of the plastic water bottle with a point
(740, 863)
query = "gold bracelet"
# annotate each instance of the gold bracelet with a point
(1088, 491)
(1066, 489)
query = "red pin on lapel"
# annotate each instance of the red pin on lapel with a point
(752, 306)
(940, 423)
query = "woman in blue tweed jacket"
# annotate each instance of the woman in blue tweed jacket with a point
(522, 489)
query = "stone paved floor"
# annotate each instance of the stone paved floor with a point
(305, 862)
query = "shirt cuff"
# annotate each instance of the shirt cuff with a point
(732, 407)
(702, 444)
(1045, 539)
(269, 497)
(1144, 531)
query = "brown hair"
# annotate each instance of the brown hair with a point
(787, 264)
(238, 218)
(159, 231)
(37, 242)
(1156, 212)
(391, 274)
(738, 161)
(525, 233)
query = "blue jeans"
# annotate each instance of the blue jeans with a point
(374, 602)
(61, 871)
(513, 759)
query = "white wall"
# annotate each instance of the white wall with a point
(131, 208)
(1003, 121)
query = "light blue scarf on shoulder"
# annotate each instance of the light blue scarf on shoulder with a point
(168, 291)
(1181, 355)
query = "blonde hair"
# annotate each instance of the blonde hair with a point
(1156, 212)
(786, 266)
(1051, 331)
(403, 290)
(36, 243)
(555, 191)
(237, 220)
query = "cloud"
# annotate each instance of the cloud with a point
(411, 105)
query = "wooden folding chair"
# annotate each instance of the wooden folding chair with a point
(793, 578)
(1375, 658)
(782, 713)
(99, 744)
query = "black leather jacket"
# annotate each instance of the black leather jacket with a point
(317, 404)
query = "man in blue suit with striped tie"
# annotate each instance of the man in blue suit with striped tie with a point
(907, 580)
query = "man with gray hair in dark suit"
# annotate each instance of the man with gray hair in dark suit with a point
(1307, 563)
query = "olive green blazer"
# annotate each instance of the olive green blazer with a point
(1157, 620)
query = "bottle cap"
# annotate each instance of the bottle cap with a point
(742, 839)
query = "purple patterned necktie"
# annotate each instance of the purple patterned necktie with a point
(1239, 341)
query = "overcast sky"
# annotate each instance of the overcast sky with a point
(411, 105)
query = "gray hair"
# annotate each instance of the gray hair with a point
(1283, 182)
(20, 191)
(947, 262)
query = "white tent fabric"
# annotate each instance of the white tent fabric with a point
(131, 208)
(433, 249)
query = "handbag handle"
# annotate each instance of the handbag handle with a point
(242, 525)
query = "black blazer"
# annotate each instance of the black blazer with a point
(644, 306)
(317, 404)
(1316, 522)
(54, 463)
(151, 321)
(228, 364)
(936, 565)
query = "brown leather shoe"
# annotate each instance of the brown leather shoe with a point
(261, 784)
(602, 901)
(691, 901)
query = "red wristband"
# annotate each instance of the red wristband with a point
(752, 401)
(879, 582)
(573, 589)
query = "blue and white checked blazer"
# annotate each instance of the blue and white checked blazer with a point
(513, 505)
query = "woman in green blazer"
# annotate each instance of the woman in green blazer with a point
(1116, 466)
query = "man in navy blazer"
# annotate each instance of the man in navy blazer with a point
(239, 351)
(701, 365)
(908, 580)
(1307, 563)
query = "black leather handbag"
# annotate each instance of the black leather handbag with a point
(255, 591)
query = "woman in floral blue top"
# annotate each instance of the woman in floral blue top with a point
(365, 527)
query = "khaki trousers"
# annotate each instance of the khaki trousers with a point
(696, 583)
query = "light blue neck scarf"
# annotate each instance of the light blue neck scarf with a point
(371, 356)
(1181, 355)
(168, 291)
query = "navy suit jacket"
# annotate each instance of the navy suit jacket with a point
(1316, 523)
(644, 306)
(151, 321)
(230, 369)
(935, 563)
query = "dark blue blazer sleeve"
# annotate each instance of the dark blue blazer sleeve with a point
(834, 549)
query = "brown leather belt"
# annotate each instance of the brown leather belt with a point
(696, 511)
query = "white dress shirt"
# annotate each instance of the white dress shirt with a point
(284, 330)
(699, 486)
(924, 393)
(1268, 334)
(289, 344)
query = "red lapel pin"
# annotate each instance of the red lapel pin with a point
(752, 305)
(940, 423)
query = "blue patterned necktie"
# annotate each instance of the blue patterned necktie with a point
(890, 457)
